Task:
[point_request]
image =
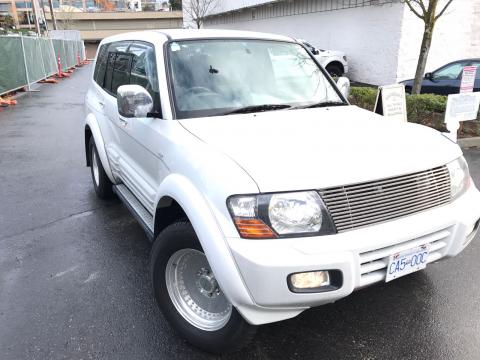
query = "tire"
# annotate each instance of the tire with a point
(176, 247)
(101, 182)
(334, 70)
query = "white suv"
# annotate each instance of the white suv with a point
(264, 192)
(334, 61)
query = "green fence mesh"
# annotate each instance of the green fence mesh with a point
(33, 60)
(12, 69)
(25, 60)
(48, 56)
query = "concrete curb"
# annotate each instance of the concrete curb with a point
(469, 142)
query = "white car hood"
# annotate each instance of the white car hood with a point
(331, 53)
(317, 148)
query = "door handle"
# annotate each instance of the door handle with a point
(123, 122)
(102, 104)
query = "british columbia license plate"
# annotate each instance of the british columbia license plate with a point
(407, 262)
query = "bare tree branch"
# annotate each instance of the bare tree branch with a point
(409, 4)
(443, 10)
(197, 10)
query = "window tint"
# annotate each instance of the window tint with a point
(100, 65)
(144, 70)
(450, 72)
(477, 64)
(121, 71)
(107, 84)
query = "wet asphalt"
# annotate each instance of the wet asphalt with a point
(74, 280)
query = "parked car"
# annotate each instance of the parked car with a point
(264, 192)
(334, 61)
(447, 79)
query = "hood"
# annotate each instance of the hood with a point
(331, 53)
(317, 148)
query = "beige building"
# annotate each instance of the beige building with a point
(94, 26)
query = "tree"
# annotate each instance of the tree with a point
(197, 10)
(426, 10)
(176, 4)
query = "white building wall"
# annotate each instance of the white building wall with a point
(456, 36)
(369, 35)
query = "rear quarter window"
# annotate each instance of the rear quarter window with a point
(100, 65)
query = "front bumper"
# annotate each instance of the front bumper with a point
(361, 255)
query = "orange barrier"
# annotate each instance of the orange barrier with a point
(60, 73)
(7, 102)
(49, 81)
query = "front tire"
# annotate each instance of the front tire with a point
(101, 182)
(189, 296)
(334, 70)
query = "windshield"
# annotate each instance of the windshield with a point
(217, 77)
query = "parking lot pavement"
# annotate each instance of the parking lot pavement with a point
(74, 280)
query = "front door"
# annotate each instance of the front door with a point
(142, 159)
(446, 80)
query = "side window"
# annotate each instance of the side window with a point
(477, 64)
(101, 65)
(144, 70)
(450, 72)
(121, 71)
(107, 84)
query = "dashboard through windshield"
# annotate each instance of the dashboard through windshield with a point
(218, 77)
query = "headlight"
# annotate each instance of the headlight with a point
(459, 177)
(280, 215)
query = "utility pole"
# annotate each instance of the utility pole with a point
(35, 17)
(15, 14)
(54, 20)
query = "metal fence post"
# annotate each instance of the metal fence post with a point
(41, 56)
(25, 63)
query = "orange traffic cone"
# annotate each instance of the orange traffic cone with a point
(60, 73)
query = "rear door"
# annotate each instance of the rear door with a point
(97, 99)
(117, 74)
(477, 78)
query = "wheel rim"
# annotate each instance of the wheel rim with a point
(194, 290)
(96, 173)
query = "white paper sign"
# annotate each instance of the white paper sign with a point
(468, 79)
(462, 107)
(391, 102)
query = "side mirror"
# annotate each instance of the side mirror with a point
(429, 76)
(343, 85)
(133, 101)
(315, 52)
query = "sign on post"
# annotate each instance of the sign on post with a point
(468, 79)
(391, 102)
(461, 107)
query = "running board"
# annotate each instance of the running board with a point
(136, 208)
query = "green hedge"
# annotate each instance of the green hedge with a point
(425, 109)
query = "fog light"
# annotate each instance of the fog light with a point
(315, 281)
(310, 280)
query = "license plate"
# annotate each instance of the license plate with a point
(407, 262)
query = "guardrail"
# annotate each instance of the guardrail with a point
(26, 60)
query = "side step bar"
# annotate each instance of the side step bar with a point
(136, 208)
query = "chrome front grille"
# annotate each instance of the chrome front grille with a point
(372, 202)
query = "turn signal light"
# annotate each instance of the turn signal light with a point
(254, 229)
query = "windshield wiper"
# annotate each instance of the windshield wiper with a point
(320, 104)
(258, 108)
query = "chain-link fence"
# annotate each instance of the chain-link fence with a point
(25, 60)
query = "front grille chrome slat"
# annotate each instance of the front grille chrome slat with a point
(372, 202)
(426, 184)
